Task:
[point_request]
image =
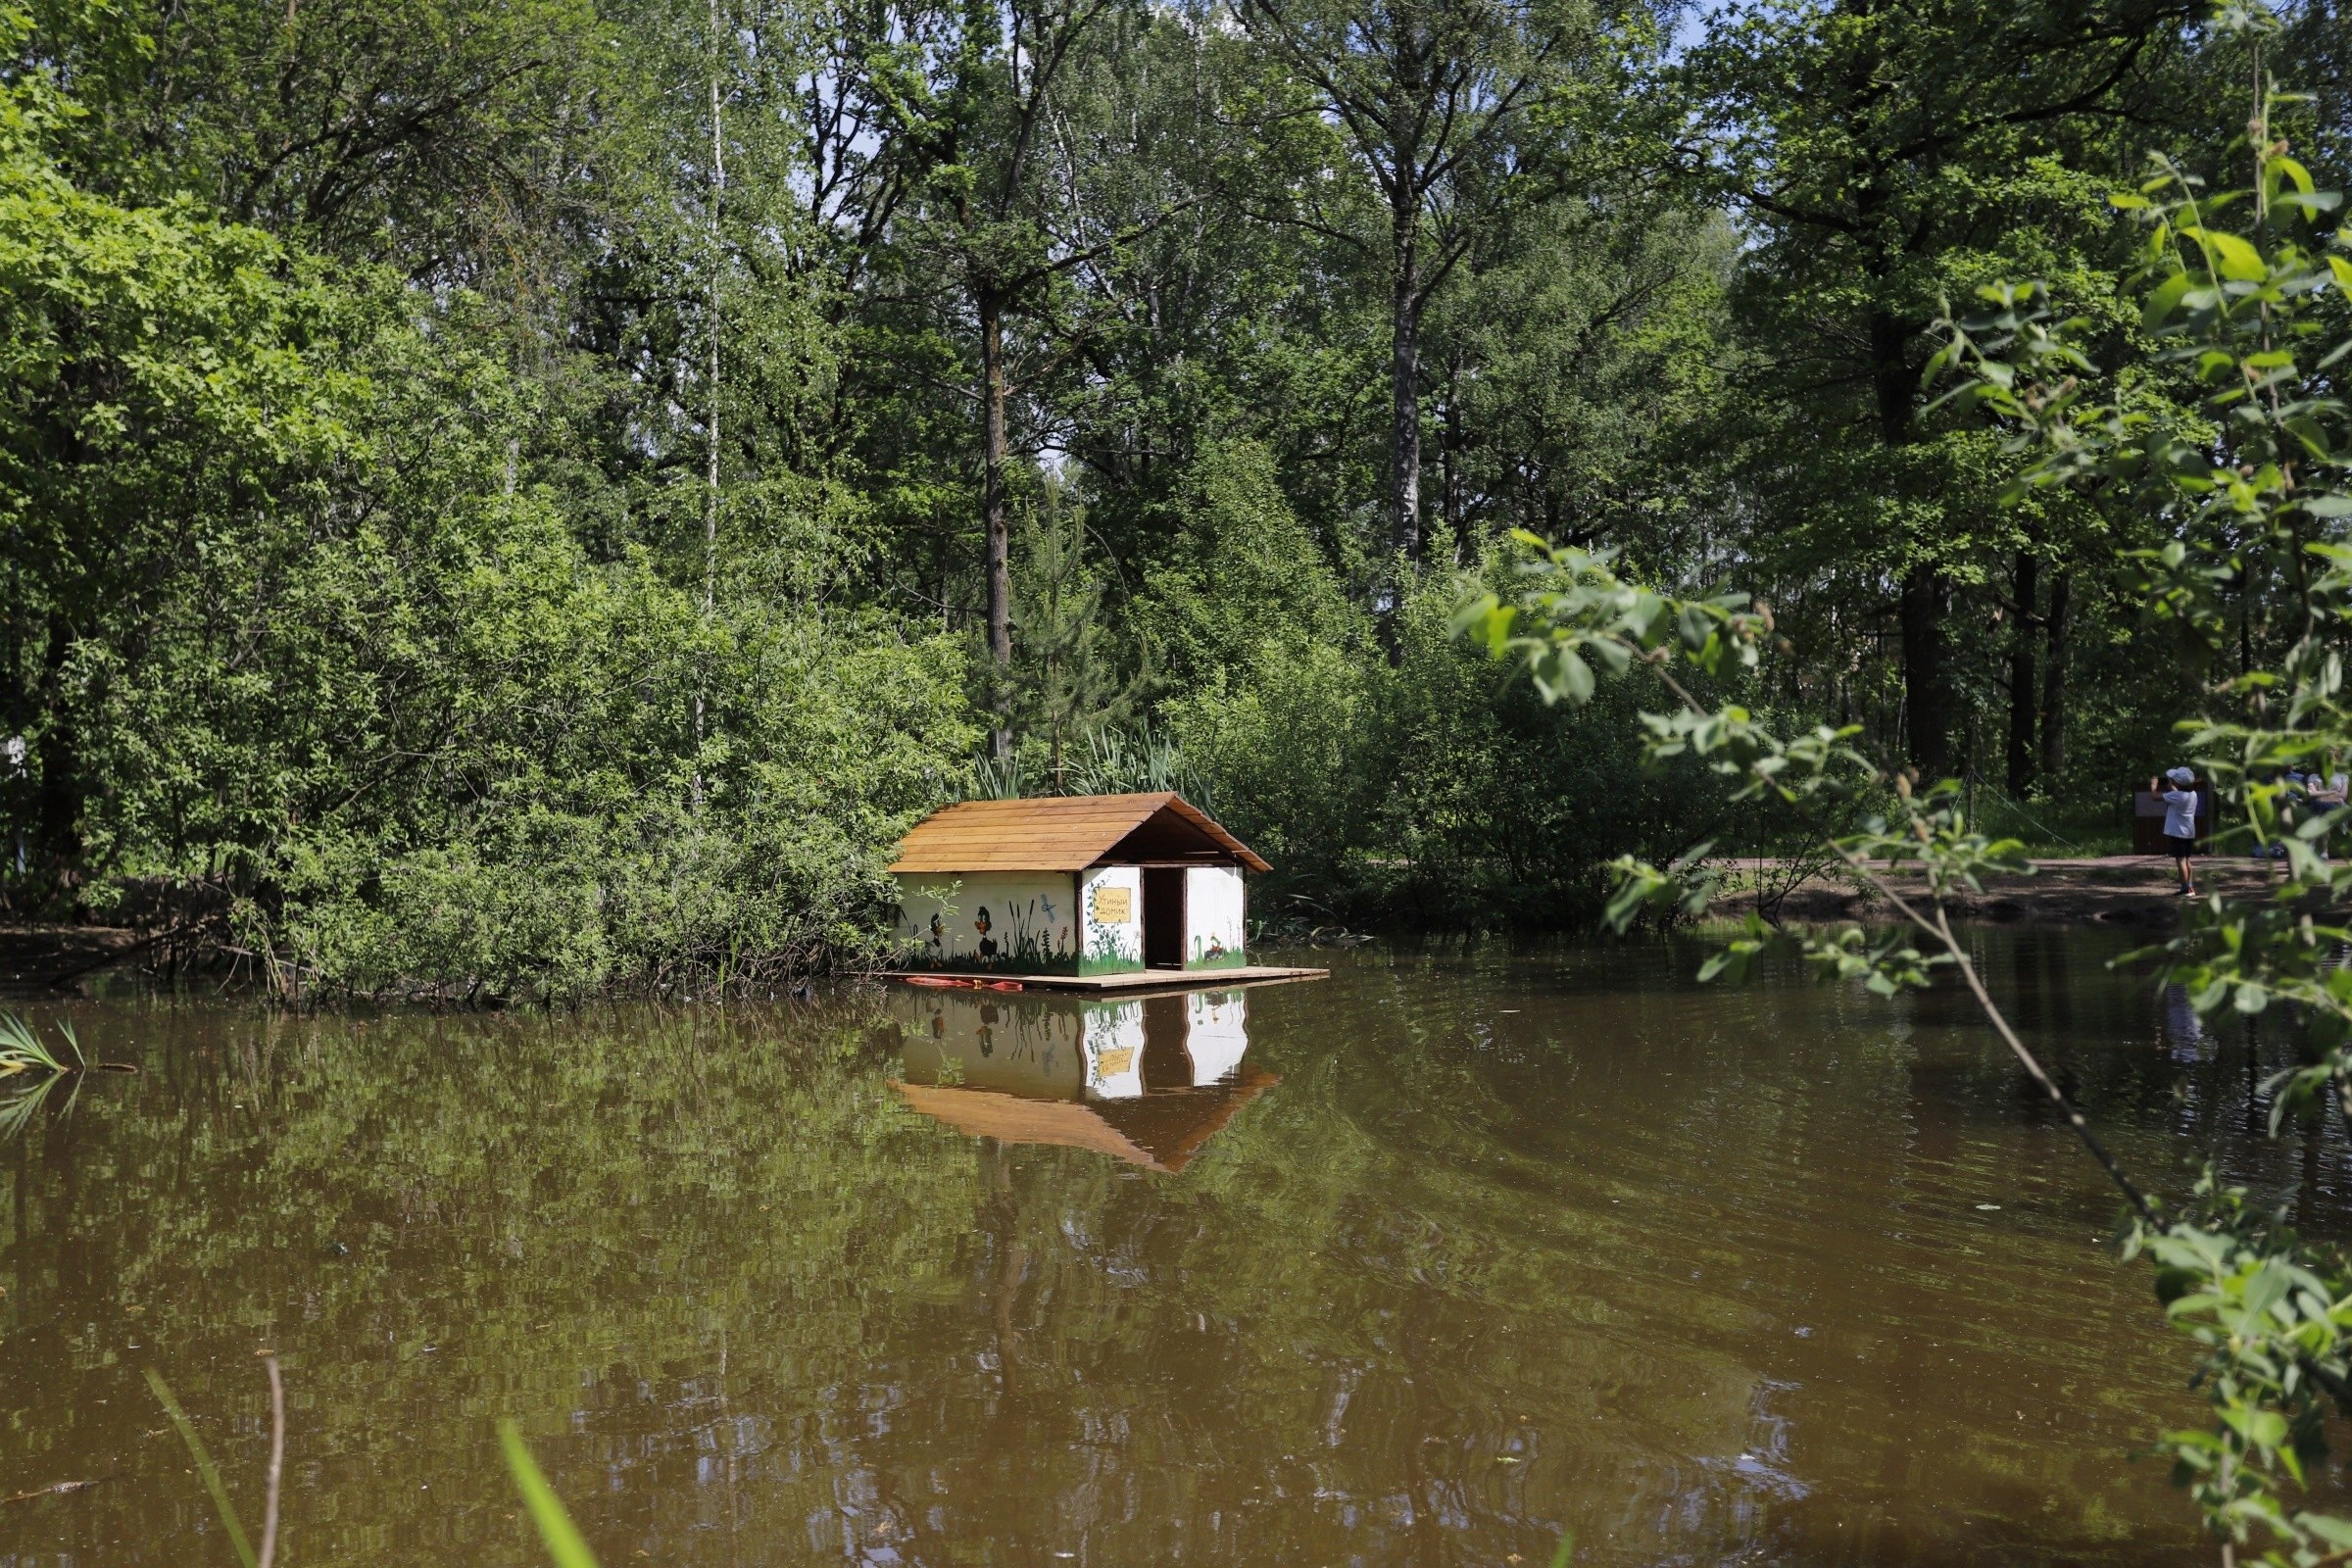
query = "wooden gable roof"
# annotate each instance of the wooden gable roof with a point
(1160, 1130)
(1059, 833)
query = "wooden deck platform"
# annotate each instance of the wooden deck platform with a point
(1145, 980)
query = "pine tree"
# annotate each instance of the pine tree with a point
(1067, 683)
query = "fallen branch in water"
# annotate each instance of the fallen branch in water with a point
(63, 981)
(55, 1489)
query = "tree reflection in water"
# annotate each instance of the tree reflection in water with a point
(1522, 1241)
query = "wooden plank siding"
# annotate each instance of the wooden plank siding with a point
(1067, 833)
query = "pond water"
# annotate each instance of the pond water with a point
(1424, 1264)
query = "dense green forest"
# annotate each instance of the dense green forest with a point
(534, 494)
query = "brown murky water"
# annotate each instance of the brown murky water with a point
(1423, 1264)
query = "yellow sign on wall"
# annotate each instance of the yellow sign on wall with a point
(1114, 905)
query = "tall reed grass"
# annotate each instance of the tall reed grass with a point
(565, 1546)
(22, 1049)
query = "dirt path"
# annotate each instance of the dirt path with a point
(2124, 890)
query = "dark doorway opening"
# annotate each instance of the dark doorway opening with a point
(1167, 1031)
(1163, 918)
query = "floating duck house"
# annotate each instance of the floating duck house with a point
(1073, 885)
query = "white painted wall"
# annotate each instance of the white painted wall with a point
(1218, 1033)
(1109, 946)
(1047, 921)
(1213, 909)
(1033, 920)
(1114, 1050)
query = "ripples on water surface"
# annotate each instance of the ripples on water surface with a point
(1416, 1265)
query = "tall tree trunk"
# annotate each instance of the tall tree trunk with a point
(12, 760)
(2024, 698)
(1926, 592)
(718, 192)
(1405, 368)
(1927, 690)
(717, 257)
(992, 509)
(57, 809)
(1455, 483)
(2053, 678)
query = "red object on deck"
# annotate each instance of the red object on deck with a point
(958, 983)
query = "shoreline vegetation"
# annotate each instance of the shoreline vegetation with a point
(2132, 892)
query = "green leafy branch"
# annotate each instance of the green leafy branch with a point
(2222, 420)
(2247, 464)
(1573, 612)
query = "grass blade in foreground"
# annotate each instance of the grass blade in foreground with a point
(204, 1467)
(564, 1542)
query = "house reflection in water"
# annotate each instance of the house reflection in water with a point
(1148, 1079)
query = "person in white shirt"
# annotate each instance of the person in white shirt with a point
(2180, 824)
(2326, 790)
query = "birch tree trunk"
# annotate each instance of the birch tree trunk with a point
(1405, 370)
(993, 516)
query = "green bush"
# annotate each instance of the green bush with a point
(318, 641)
(1428, 789)
(1289, 745)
